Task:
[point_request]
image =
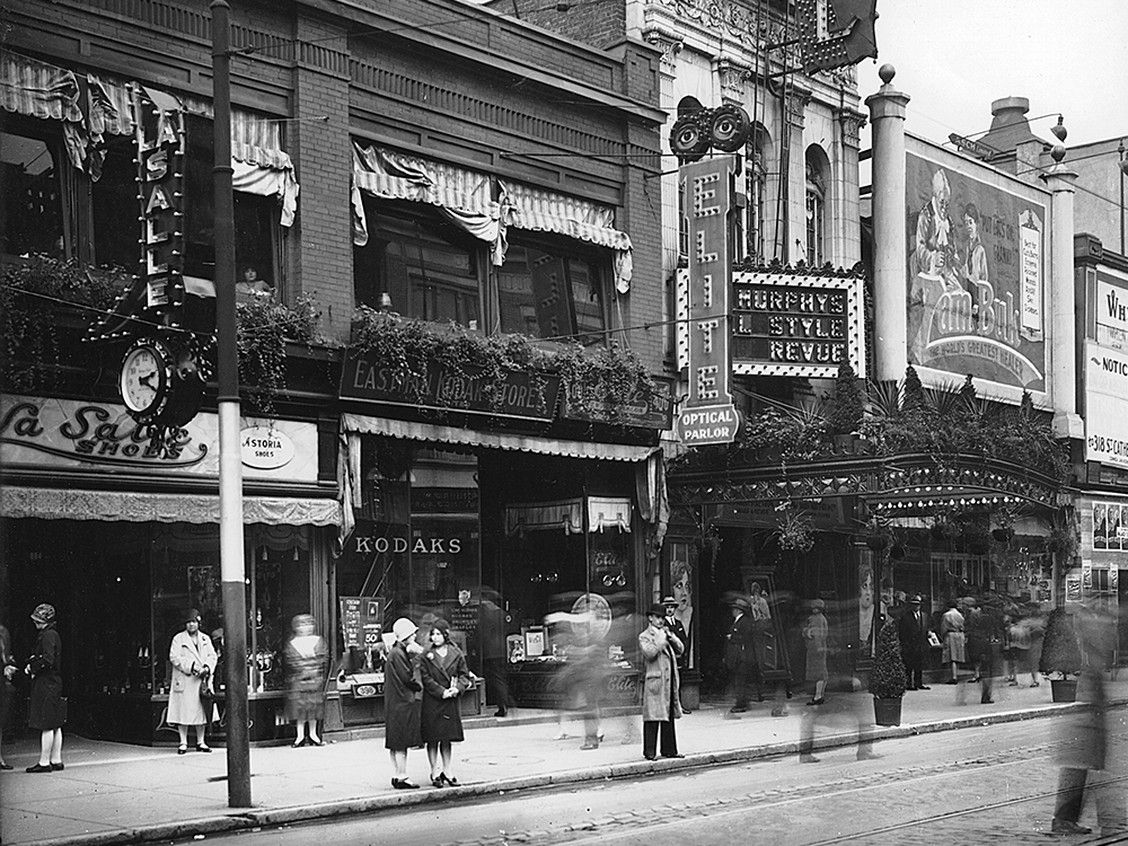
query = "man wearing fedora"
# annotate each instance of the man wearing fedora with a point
(912, 630)
(660, 649)
(740, 654)
(674, 626)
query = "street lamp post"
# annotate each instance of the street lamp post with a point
(232, 566)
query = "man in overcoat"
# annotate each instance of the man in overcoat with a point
(660, 649)
(740, 655)
(912, 630)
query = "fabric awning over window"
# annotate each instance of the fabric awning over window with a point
(135, 507)
(565, 515)
(537, 210)
(609, 512)
(464, 196)
(97, 105)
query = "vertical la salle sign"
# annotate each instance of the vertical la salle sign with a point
(708, 415)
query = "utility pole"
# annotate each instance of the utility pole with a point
(232, 567)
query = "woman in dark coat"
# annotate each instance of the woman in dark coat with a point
(46, 710)
(401, 700)
(445, 677)
(307, 660)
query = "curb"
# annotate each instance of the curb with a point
(269, 817)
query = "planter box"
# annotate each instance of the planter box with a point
(1063, 690)
(887, 712)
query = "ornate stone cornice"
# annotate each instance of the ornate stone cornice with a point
(670, 45)
(852, 123)
(733, 77)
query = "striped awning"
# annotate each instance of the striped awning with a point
(39, 90)
(397, 176)
(546, 211)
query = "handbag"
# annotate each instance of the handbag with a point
(63, 709)
(207, 695)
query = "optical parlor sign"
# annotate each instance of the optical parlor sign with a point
(708, 415)
(794, 325)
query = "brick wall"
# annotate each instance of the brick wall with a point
(599, 23)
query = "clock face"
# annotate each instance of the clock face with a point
(143, 379)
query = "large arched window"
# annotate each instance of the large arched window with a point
(816, 195)
(755, 193)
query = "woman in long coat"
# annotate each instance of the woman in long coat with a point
(446, 676)
(815, 633)
(661, 704)
(8, 668)
(306, 659)
(402, 700)
(46, 710)
(193, 661)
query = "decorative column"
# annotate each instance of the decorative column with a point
(1063, 310)
(887, 116)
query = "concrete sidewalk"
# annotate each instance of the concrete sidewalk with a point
(116, 793)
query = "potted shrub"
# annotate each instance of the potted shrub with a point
(846, 411)
(887, 680)
(1061, 654)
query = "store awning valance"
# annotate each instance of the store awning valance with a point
(538, 210)
(464, 196)
(135, 507)
(564, 515)
(363, 424)
(37, 89)
(609, 512)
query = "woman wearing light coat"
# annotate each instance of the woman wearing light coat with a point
(193, 664)
(660, 702)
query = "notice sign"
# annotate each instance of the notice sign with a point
(1106, 405)
(708, 416)
(787, 324)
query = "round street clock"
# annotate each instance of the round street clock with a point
(146, 379)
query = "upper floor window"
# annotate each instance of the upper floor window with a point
(816, 207)
(755, 191)
(550, 290)
(418, 265)
(31, 193)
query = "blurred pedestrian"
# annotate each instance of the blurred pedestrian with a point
(661, 705)
(912, 630)
(953, 640)
(402, 702)
(815, 634)
(1082, 739)
(740, 656)
(984, 626)
(193, 661)
(1034, 622)
(446, 677)
(1016, 648)
(7, 691)
(306, 659)
(47, 710)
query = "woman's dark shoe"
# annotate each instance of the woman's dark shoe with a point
(318, 742)
(298, 744)
(438, 781)
(404, 784)
(675, 755)
(182, 750)
(57, 765)
(5, 766)
(818, 701)
(203, 747)
(39, 768)
(452, 782)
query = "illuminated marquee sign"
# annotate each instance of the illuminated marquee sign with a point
(785, 324)
(160, 144)
(708, 415)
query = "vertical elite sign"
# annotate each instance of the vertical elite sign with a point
(708, 415)
(160, 143)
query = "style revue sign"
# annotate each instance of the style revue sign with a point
(708, 415)
(787, 324)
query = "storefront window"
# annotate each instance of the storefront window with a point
(32, 204)
(425, 266)
(546, 292)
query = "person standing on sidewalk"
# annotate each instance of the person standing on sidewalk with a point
(660, 702)
(740, 655)
(912, 629)
(815, 633)
(402, 700)
(953, 640)
(193, 661)
(8, 668)
(446, 676)
(46, 707)
(675, 627)
(306, 660)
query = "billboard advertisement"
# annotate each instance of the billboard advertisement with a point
(1106, 370)
(977, 266)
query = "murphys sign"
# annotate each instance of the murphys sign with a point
(787, 324)
(976, 265)
(708, 415)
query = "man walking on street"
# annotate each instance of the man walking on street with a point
(912, 630)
